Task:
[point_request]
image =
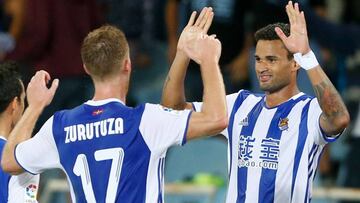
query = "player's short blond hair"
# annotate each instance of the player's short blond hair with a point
(103, 51)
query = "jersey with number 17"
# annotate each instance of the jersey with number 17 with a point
(109, 152)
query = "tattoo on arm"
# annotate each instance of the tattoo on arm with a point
(329, 100)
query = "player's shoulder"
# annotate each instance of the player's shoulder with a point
(303, 97)
(243, 94)
(159, 109)
(69, 111)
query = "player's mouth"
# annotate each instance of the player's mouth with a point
(264, 77)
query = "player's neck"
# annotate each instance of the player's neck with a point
(5, 125)
(111, 89)
(276, 98)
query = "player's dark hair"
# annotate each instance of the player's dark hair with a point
(103, 50)
(10, 84)
(268, 33)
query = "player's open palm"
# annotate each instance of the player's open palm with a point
(298, 40)
(204, 48)
(38, 94)
(195, 28)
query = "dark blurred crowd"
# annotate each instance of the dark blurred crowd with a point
(47, 34)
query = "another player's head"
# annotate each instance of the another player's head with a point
(275, 67)
(105, 53)
(12, 93)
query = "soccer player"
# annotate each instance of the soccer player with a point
(111, 152)
(24, 187)
(275, 139)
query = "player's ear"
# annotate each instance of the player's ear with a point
(127, 65)
(86, 70)
(14, 105)
(294, 66)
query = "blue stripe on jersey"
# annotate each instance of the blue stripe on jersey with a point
(312, 154)
(247, 131)
(239, 100)
(313, 170)
(133, 174)
(318, 161)
(160, 179)
(303, 133)
(268, 176)
(186, 129)
(4, 178)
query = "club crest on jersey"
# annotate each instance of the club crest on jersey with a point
(97, 112)
(284, 124)
(244, 122)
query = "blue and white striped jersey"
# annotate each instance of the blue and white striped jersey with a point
(273, 153)
(109, 152)
(17, 189)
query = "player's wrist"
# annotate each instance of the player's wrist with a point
(209, 63)
(306, 61)
(180, 53)
(35, 109)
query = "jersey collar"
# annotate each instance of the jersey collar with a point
(102, 102)
(3, 138)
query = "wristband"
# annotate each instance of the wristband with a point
(307, 61)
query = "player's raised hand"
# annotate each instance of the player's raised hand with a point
(196, 26)
(298, 41)
(38, 94)
(204, 48)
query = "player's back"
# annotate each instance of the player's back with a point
(114, 153)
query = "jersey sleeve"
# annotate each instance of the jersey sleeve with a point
(230, 100)
(163, 127)
(23, 188)
(40, 152)
(320, 137)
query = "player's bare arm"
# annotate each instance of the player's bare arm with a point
(335, 116)
(173, 91)
(38, 96)
(206, 50)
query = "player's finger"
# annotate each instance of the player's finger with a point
(46, 76)
(206, 16)
(297, 13)
(54, 86)
(213, 36)
(201, 16)
(192, 18)
(208, 22)
(281, 34)
(289, 14)
(39, 76)
(291, 11)
(303, 20)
